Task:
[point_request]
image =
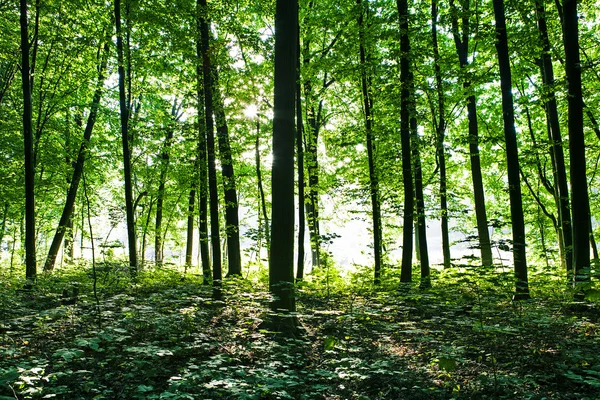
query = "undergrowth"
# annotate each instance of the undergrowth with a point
(162, 336)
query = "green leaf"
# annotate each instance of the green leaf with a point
(330, 342)
(447, 364)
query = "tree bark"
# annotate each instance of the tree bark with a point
(281, 263)
(512, 155)
(26, 78)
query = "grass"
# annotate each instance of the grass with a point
(163, 337)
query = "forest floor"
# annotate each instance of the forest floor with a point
(164, 337)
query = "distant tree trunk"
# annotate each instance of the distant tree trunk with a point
(261, 191)
(462, 50)
(66, 218)
(556, 148)
(440, 128)
(580, 207)
(189, 243)
(281, 263)
(210, 146)
(512, 156)
(405, 110)
(300, 161)
(368, 107)
(30, 253)
(4, 218)
(126, 139)
(232, 224)
(160, 195)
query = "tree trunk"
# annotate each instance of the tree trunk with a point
(201, 164)
(556, 148)
(66, 218)
(124, 105)
(405, 110)
(30, 253)
(421, 227)
(440, 128)
(300, 161)
(580, 207)
(512, 156)
(232, 224)
(210, 150)
(462, 50)
(281, 263)
(189, 243)
(263, 203)
(312, 161)
(160, 195)
(373, 178)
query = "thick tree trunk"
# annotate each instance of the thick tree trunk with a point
(580, 207)
(373, 178)
(281, 263)
(512, 156)
(232, 224)
(405, 110)
(65, 223)
(124, 105)
(213, 193)
(462, 50)
(30, 253)
(440, 128)
(556, 147)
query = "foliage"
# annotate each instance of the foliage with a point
(163, 337)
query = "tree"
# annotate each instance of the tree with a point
(462, 50)
(125, 107)
(67, 213)
(405, 111)
(556, 145)
(512, 155)
(26, 83)
(281, 262)
(580, 206)
(367, 108)
(210, 150)
(232, 224)
(440, 130)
